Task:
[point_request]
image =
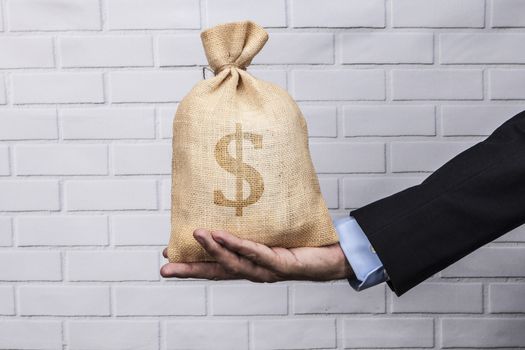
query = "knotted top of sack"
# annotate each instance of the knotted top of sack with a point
(233, 44)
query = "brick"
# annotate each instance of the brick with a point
(142, 158)
(475, 119)
(424, 156)
(30, 265)
(166, 116)
(29, 195)
(322, 298)
(338, 13)
(347, 157)
(39, 159)
(348, 84)
(507, 84)
(14, 122)
(172, 300)
(3, 94)
(106, 51)
(61, 230)
(207, 334)
(141, 229)
(26, 15)
(111, 194)
(366, 48)
(181, 50)
(489, 262)
(330, 191)
(271, 75)
(441, 298)
(5, 232)
(57, 88)
(506, 297)
(160, 86)
(438, 13)
(4, 160)
(482, 48)
(475, 333)
(321, 120)
(389, 120)
(288, 48)
(388, 332)
(122, 265)
(108, 123)
(294, 333)
(63, 300)
(7, 301)
(249, 300)
(515, 235)
(153, 14)
(26, 52)
(437, 84)
(30, 335)
(113, 335)
(508, 13)
(359, 191)
(270, 13)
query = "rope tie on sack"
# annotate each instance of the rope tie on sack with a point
(218, 70)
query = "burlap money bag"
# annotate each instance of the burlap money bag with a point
(241, 160)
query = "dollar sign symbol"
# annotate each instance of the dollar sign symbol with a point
(242, 171)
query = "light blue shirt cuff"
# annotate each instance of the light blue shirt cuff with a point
(363, 259)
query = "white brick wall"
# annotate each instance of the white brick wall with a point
(390, 89)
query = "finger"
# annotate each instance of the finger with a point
(165, 253)
(207, 270)
(231, 262)
(258, 253)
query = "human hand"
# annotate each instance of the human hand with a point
(239, 258)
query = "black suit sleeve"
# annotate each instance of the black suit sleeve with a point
(471, 200)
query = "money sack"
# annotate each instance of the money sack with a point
(241, 161)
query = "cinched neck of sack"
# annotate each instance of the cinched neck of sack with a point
(224, 66)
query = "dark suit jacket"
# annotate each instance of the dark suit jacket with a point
(468, 202)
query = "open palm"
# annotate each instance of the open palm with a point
(238, 258)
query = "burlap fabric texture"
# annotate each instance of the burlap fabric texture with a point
(241, 160)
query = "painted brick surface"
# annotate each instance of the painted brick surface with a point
(388, 332)
(54, 15)
(198, 334)
(14, 122)
(479, 332)
(63, 301)
(156, 14)
(6, 235)
(339, 13)
(271, 13)
(110, 51)
(295, 333)
(61, 159)
(152, 301)
(57, 88)
(7, 300)
(387, 48)
(113, 334)
(438, 13)
(61, 230)
(108, 123)
(390, 90)
(249, 300)
(26, 52)
(30, 334)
